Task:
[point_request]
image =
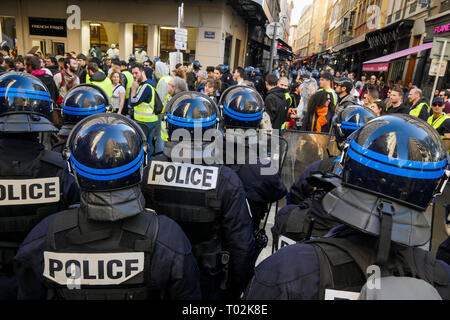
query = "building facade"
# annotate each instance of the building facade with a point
(217, 31)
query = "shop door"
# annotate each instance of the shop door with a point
(412, 62)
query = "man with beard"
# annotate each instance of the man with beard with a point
(67, 78)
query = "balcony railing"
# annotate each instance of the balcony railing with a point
(445, 5)
(413, 7)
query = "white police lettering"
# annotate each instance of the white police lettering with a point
(340, 295)
(29, 191)
(92, 268)
(183, 175)
(285, 241)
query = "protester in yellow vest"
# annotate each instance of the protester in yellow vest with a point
(145, 104)
(440, 120)
(99, 78)
(419, 105)
(326, 81)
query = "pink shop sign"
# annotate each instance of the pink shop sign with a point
(444, 28)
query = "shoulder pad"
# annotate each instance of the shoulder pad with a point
(54, 158)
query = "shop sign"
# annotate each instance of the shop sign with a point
(444, 28)
(47, 27)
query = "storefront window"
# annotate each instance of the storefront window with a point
(99, 37)
(140, 36)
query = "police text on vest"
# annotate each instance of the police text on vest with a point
(29, 191)
(92, 268)
(183, 175)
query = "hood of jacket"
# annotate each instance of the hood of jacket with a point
(98, 76)
(113, 205)
(161, 69)
(279, 92)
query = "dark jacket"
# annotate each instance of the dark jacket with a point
(294, 273)
(82, 72)
(401, 109)
(308, 122)
(49, 83)
(277, 106)
(237, 236)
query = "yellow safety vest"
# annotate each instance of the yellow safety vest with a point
(164, 132)
(288, 97)
(166, 79)
(130, 80)
(145, 111)
(438, 122)
(332, 93)
(416, 111)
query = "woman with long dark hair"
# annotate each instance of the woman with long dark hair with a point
(319, 115)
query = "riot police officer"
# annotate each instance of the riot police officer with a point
(206, 199)
(344, 124)
(391, 170)
(34, 182)
(304, 217)
(80, 102)
(111, 247)
(242, 109)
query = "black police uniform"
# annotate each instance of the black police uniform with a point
(208, 201)
(111, 247)
(34, 182)
(385, 221)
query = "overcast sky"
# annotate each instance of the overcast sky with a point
(298, 6)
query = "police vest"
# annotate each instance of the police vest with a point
(29, 192)
(166, 99)
(187, 193)
(344, 267)
(91, 260)
(130, 81)
(145, 111)
(416, 111)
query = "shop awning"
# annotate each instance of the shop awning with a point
(350, 43)
(251, 10)
(382, 64)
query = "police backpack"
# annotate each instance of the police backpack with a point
(97, 260)
(346, 266)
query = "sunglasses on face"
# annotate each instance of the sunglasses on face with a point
(438, 104)
(441, 95)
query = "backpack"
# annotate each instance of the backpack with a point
(345, 264)
(60, 98)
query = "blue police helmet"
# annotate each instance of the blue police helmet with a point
(315, 74)
(349, 120)
(257, 71)
(25, 104)
(106, 152)
(82, 101)
(398, 156)
(243, 107)
(190, 110)
(294, 72)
